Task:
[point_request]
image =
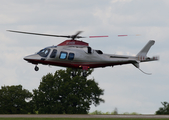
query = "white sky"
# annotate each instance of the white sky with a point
(126, 88)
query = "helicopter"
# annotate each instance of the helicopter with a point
(78, 54)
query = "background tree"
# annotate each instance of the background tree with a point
(115, 111)
(163, 110)
(61, 93)
(13, 100)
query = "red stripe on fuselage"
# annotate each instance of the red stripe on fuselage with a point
(74, 64)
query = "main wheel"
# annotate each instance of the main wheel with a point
(84, 73)
(36, 68)
(73, 73)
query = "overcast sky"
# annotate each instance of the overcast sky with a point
(126, 88)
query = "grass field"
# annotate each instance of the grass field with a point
(84, 118)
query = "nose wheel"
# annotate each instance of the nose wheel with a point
(36, 68)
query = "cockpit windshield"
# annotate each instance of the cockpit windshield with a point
(44, 52)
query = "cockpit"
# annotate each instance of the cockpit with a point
(44, 52)
(53, 53)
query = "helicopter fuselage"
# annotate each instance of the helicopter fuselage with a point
(77, 57)
(77, 54)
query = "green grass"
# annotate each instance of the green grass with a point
(84, 118)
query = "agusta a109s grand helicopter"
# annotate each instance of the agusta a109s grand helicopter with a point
(79, 55)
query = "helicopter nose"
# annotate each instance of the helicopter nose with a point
(32, 58)
(27, 58)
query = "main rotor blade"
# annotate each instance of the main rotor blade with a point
(129, 35)
(76, 35)
(98, 36)
(40, 34)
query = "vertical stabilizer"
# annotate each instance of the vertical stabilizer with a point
(144, 51)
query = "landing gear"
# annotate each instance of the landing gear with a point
(36, 68)
(73, 73)
(84, 73)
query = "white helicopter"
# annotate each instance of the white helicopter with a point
(79, 55)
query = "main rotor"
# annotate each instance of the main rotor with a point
(73, 37)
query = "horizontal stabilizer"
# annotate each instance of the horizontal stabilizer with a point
(154, 58)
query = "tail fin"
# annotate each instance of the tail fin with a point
(144, 51)
(142, 56)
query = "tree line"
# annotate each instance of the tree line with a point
(163, 110)
(58, 93)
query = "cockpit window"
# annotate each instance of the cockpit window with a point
(53, 54)
(44, 52)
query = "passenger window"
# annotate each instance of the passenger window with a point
(99, 51)
(71, 56)
(53, 54)
(63, 55)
